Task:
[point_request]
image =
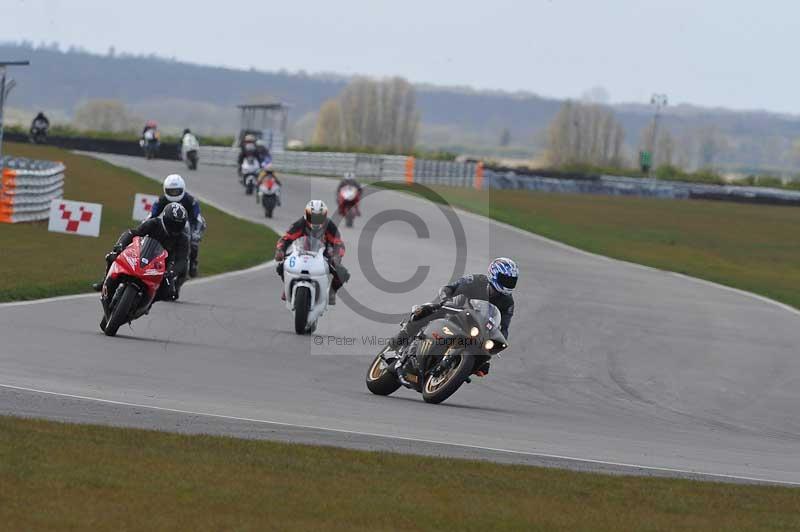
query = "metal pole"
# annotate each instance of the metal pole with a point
(2, 106)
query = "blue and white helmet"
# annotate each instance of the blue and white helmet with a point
(503, 275)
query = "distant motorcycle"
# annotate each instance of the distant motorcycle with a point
(190, 151)
(38, 132)
(443, 355)
(270, 192)
(249, 174)
(150, 143)
(306, 277)
(348, 199)
(131, 283)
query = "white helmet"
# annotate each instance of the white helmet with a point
(174, 187)
(349, 176)
(316, 217)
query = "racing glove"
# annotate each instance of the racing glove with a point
(279, 255)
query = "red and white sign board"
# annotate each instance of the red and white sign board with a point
(142, 205)
(75, 217)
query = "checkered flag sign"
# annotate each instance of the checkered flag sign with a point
(142, 205)
(75, 217)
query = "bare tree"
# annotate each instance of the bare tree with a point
(370, 114)
(329, 129)
(585, 134)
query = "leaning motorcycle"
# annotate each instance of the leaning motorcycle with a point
(438, 360)
(249, 174)
(131, 283)
(270, 192)
(348, 203)
(307, 279)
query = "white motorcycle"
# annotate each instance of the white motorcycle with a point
(249, 171)
(189, 151)
(307, 279)
(269, 194)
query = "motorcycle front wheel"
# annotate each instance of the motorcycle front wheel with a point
(120, 313)
(302, 304)
(437, 389)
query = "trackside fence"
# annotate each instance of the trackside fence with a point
(27, 187)
(473, 174)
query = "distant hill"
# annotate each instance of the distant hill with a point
(203, 97)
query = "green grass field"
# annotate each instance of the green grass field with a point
(37, 263)
(751, 247)
(61, 476)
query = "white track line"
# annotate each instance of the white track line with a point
(404, 438)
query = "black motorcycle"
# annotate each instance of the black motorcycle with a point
(443, 355)
(38, 132)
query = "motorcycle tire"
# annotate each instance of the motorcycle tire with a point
(379, 380)
(302, 304)
(436, 392)
(120, 313)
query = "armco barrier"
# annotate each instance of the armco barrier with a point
(631, 186)
(27, 187)
(318, 163)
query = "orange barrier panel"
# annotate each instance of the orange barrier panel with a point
(479, 175)
(410, 170)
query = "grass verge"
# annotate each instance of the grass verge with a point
(63, 476)
(751, 247)
(37, 263)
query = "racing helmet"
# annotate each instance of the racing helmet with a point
(174, 218)
(316, 215)
(174, 187)
(503, 274)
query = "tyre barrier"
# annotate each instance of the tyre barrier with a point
(27, 187)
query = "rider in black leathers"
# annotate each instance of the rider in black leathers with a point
(168, 230)
(476, 286)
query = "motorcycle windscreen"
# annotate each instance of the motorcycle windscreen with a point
(492, 316)
(150, 249)
(308, 245)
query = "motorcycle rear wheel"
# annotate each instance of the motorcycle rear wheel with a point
(120, 313)
(379, 380)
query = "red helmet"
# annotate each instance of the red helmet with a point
(151, 123)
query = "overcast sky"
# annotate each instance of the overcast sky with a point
(732, 53)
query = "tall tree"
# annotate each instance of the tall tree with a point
(370, 114)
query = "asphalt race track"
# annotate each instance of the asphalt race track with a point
(612, 366)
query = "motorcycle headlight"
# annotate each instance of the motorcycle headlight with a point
(474, 332)
(488, 345)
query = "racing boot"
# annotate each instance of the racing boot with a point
(331, 297)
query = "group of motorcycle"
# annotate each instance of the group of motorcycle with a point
(436, 362)
(150, 142)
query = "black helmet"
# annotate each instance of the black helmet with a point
(187, 130)
(174, 217)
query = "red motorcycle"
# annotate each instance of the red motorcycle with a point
(348, 199)
(132, 282)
